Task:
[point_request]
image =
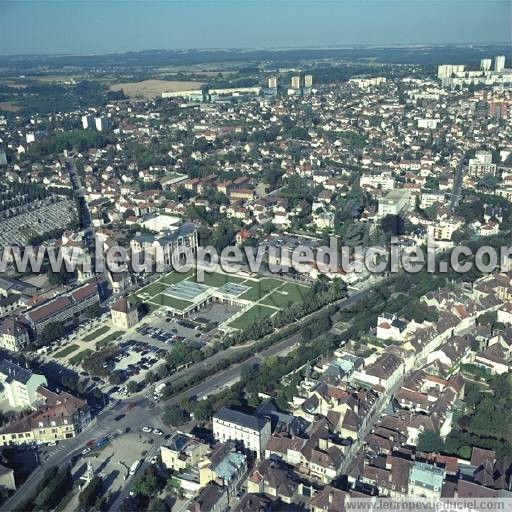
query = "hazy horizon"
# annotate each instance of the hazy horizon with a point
(90, 27)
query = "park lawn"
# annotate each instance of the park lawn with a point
(135, 300)
(175, 277)
(288, 293)
(249, 317)
(217, 280)
(260, 288)
(97, 333)
(153, 289)
(81, 356)
(66, 351)
(170, 302)
(278, 299)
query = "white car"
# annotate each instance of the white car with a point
(147, 429)
(154, 459)
(85, 451)
(158, 432)
(52, 443)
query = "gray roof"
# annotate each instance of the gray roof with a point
(14, 372)
(229, 465)
(241, 419)
(166, 238)
(184, 230)
(178, 442)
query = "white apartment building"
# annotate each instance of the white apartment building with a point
(443, 230)
(481, 164)
(499, 63)
(485, 64)
(230, 425)
(430, 124)
(101, 123)
(430, 198)
(20, 385)
(88, 121)
(393, 202)
(384, 181)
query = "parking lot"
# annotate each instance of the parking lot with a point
(114, 460)
(215, 313)
(134, 358)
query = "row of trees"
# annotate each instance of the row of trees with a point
(52, 488)
(77, 140)
(321, 294)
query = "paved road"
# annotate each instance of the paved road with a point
(128, 486)
(139, 411)
(457, 184)
(135, 414)
(232, 374)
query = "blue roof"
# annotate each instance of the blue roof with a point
(230, 465)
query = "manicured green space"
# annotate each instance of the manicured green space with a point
(66, 351)
(217, 280)
(255, 313)
(170, 302)
(175, 277)
(153, 289)
(289, 293)
(97, 333)
(260, 288)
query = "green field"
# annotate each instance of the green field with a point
(249, 317)
(66, 351)
(260, 288)
(97, 333)
(267, 294)
(170, 302)
(218, 280)
(175, 277)
(153, 289)
(288, 293)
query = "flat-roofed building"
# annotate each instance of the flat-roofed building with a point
(393, 203)
(426, 480)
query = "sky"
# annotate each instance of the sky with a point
(76, 26)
